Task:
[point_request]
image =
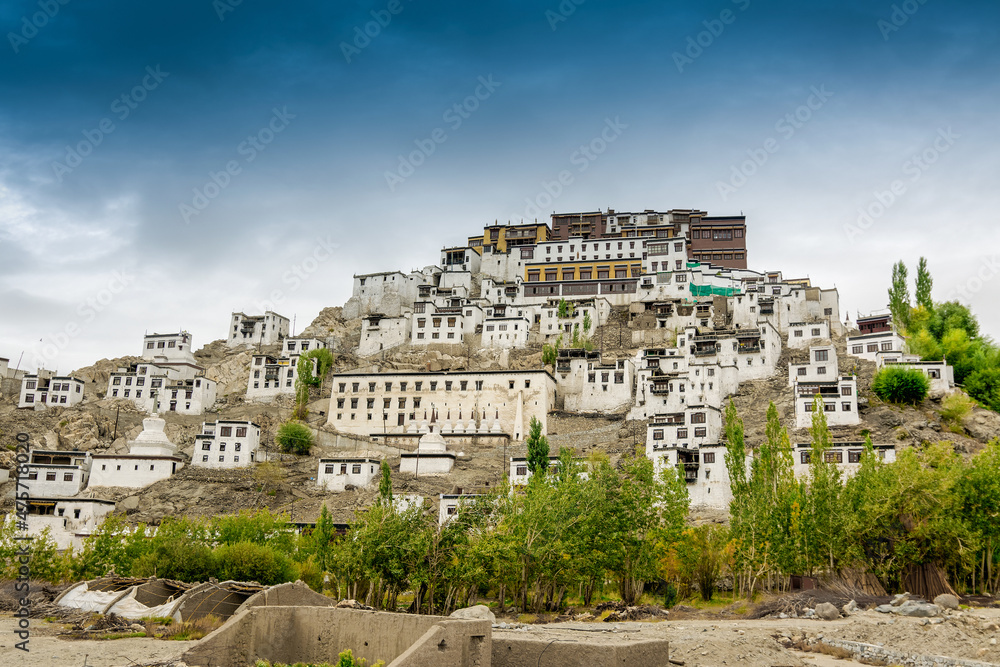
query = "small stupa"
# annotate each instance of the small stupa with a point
(432, 456)
(153, 441)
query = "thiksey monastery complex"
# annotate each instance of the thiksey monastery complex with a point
(674, 287)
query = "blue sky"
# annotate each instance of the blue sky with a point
(163, 164)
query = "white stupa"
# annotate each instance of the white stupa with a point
(152, 441)
(432, 456)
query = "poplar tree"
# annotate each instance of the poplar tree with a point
(925, 284)
(899, 296)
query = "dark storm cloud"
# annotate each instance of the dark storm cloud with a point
(176, 101)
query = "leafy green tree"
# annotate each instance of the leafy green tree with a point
(588, 322)
(538, 449)
(322, 539)
(703, 556)
(900, 384)
(294, 437)
(824, 501)
(899, 296)
(248, 561)
(953, 315)
(984, 386)
(925, 283)
(978, 492)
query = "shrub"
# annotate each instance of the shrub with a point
(956, 407)
(295, 438)
(246, 561)
(899, 384)
(984, 386)
(177, 558)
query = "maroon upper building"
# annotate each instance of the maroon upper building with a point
(719, 240)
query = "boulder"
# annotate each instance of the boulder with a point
(884, 608)
(899, 599)
(130, 503)
(475, 612)
(850, 608)
(915, 609)
(947, 601)
(827, 611)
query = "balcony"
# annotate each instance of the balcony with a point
(659, 388)
(705, 351)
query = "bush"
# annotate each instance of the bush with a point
(177, 558)
(984, 386)
(956, 407)
(295, 438)
(246, 561)
(899, 384)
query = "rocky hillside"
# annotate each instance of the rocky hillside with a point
(103, 425)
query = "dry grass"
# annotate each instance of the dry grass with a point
(189, 630)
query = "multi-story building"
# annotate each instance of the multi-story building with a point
(465, 401)
(45, 389)
(275, 376)
(379, 333)
(154, 388)
(57, 473)
(227, 444)
(820, 376)
(267, 329)
(460, 259)
(451, 324)
(503, 238)
(389, 292)
(587, 383)
(69, 520)
(172, 348)
(876, 335)
(719, 240)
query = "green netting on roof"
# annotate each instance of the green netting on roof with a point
(709, 290)
(693, 265)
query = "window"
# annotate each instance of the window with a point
(204, 459)
(845, 406)
(658, 434)
(67, 477)
(815, 332)
(798, 333)
(887, 347)
(354, 404)
(226, 431)
(822, 355)
(854, 456)
(682, 433)
(700, 432)
(206, 446)
(698, 418)
(522, 470)
(222, 458)
(873, 347)
(356, 469)
(222, 447)
(833, 456)
(708, 457)
(829, 407)
(821, 370)
(846, 391)
(805, 457)
(50, 477)
(803, 370)
(809, 406)
(858, 349)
